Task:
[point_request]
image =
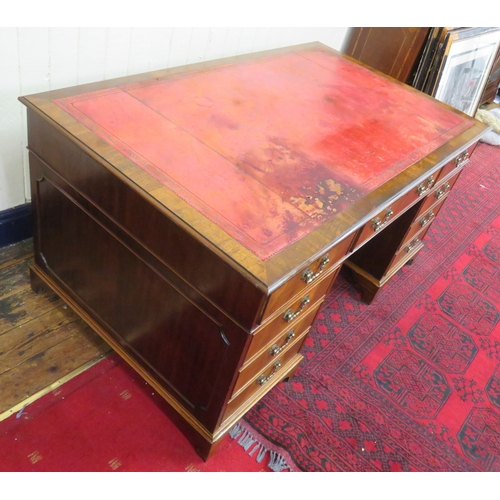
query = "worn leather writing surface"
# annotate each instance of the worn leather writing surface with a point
(269, 149)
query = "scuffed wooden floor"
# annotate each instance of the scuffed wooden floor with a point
(42, 342)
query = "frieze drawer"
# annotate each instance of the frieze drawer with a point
(439, 193)
(297, 307)
(309, 274)
(386, 216)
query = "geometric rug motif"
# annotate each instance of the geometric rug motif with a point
(108, 419)
(479, 438)
(441, 342)
(469, 309)
(484, 276)
(413, 383)
(492, 249)
(493, 388)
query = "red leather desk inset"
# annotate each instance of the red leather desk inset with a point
(197, 217)
(269, 149)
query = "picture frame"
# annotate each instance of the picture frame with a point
(468, 55)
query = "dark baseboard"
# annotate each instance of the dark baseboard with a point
(15, 224)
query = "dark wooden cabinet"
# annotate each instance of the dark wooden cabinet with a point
(414, 56)
(394, 51)
(197, 217)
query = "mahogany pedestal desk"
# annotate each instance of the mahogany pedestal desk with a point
(196, 217)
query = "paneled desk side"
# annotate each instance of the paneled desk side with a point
(206, 321)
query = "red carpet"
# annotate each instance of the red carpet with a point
(411, 382)
(108, 419)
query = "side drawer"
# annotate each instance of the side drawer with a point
(307, 275)
(439, 193)
(422, 221)
(407, 251)
(269, 357)
(461, 160)
(296, 308)
(265, 380)
(263, 340)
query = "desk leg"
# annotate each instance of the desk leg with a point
(205, 450)
(368, 286)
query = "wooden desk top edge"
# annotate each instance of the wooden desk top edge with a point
(279, 267)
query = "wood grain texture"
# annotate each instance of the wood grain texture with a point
(41, 340)
(394, 51)
(493, 82)
(16, 253)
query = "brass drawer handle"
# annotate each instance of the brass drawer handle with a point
(377, 224)
(427, 219)
(276, 350)
(263, 379)
(290, 315)
(308, 276)
(442, 190)
(412, 245)
(462, 159)
(425, 186)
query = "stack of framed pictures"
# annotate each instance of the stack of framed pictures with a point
(455, 65)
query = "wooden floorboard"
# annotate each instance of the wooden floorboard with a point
(19, 251)
(42, 341)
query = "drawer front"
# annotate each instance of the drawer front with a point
(439, 193)
(421, 221)
(460, 161)
(408, 250)
(263, 340)
(268, 358)
(266, 379)
(310, 274)
(386, 216)
(296, 308)
(449, 167)
(407, 253)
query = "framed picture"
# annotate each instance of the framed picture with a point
(466, 63)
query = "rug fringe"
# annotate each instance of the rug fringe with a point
(246, 440)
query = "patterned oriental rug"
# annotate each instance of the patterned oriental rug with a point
(412, 381)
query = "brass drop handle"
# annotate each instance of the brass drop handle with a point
(290, 315)
(276, 350)
(425, 186)
(427, 219)
(263, 379)
(412, 245)
(377, 224)
(442, 190)
(462, 159)
(308, 276)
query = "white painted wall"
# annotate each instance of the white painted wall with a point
(37, 59)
